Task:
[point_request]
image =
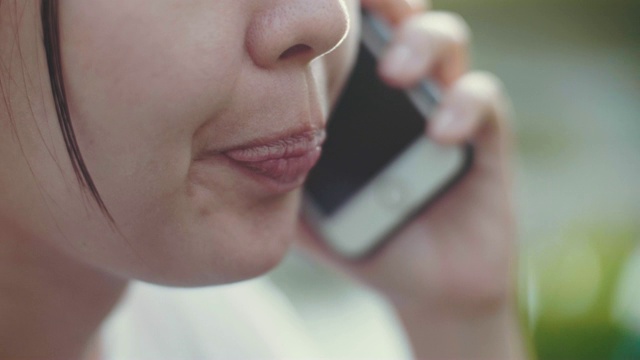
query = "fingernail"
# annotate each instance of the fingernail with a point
(398, 59)
(445, 123)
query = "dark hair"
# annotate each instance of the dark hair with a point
(51, 38)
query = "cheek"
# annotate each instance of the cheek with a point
(142, 76)
(140, 85)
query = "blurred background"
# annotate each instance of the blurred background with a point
(572, 69)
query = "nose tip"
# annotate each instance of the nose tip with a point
(296, 31)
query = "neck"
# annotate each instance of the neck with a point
(50, 305)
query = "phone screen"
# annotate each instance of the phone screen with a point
(371, 125)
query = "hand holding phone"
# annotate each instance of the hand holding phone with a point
(448, 268)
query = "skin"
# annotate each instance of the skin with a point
(156, 91)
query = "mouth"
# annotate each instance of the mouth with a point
(282, 163)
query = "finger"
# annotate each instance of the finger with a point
(434, 44)
(475, 110)
(394, 11)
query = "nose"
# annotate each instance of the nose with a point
(296, 31)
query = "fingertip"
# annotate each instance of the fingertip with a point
(433, 45)
(479, 103)
(395, 61)
(405, 62)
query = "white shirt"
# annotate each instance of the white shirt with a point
(250, 320)
(299, 311)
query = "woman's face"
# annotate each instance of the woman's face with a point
(198, 121)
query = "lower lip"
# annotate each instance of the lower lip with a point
(284, 174)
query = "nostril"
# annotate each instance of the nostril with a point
(294, 33)
(295, 51)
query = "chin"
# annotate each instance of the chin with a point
(206, 244)
(231, 254)
(216, 270)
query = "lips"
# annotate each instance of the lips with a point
(284, 162)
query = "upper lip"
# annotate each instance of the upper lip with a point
(282, 146)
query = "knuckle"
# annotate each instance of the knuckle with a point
(426, 4)
(488, 92)
(486, 85)
(462, 29)
(453, 26)
(445, 27)
(419, 5)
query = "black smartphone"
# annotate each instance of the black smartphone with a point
(378, 169)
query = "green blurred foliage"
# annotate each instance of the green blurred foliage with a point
(574, 287)
(572, 69)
